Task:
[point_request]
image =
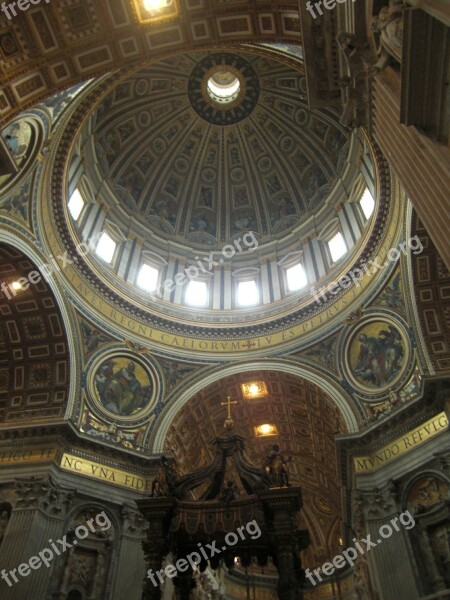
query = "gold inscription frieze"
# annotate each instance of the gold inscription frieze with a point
(107, 474)
(132, 328)
(402, 445)
(13, 456)
(76, 464)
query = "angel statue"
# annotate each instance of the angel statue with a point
(275, 471)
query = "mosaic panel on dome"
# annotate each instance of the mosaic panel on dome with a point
(194, 170)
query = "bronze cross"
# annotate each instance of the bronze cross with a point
(229, 402)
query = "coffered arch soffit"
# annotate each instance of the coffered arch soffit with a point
(199, 381)
(57, 45)
(40, 320)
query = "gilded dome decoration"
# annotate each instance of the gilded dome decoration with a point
(186, 162)
(214, 212)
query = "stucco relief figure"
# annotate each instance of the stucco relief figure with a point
(389, 25)
(123, 386)
(275, 471)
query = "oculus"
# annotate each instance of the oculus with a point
(223, 88)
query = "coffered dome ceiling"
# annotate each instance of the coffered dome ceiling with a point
(197, 167)
(187, 155)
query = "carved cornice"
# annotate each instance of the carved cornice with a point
(65, 437)
(435, 397)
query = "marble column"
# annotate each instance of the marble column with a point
(420, 163)
(37, 518)
(131, 567)
(391, 562)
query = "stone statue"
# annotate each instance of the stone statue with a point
(170, 476)
(4, 518)
(363, 588)
(359, 59)
(389, 25)
(361, 574)
(275, 472)
(156, 489)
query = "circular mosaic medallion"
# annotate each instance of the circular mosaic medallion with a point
(181, 165)
(209, 175)
(142, 87)
(144, 118)
(301, 116)
(287, 143)
(159, 145)
(223, 88)
(23, 139)
(377, 355)
(237, 174)
(264, 163)
(122, 386)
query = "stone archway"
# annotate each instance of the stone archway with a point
(35, 335)
(190, 387)
(305, 419)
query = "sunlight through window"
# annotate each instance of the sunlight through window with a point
(296, 278)
(337, 247)
(197, 293)
(248, 294)
(105, 247)
(367, 203)
(76, 204)
(148, 278)
(152, 5)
